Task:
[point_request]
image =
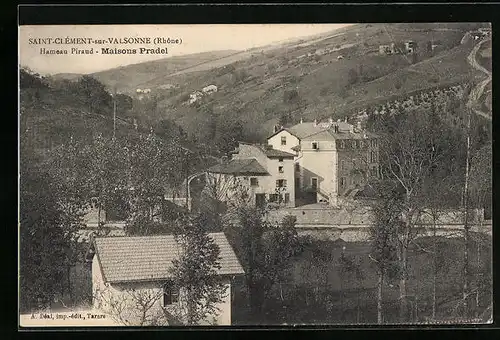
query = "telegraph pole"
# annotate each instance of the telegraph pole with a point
(187, 180)
(465, 203)
(114, 113)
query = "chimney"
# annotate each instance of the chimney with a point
(315, 122)
(330, 121)
(359, 126)
(345, 119)
(301, 121)
(275, 128)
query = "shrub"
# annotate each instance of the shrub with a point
(352, 76)
(290, 96)
(324, 91)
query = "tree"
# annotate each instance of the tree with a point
(29, 79)
(227, 135)
(411, 151)
(94, 94)
(429, 46)
(152, 164)
(352, 77)
(350, 270)
(105, 161)
(168, 130)
(135, 307)
(384, 239)
(47, 236)
(195, 272)
(291, 96)
(264, 248)
(124, 104)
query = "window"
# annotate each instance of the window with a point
(280, 169)
(297, 182)
(342, 165)
(315, 145)
(281, 183)
(287, 198)
(374, 171)
(314, 183)
(283, 140)
(273, 197)
(374, 143)
(355, 144)
(170, 294)
(341, 144)
(342, 181)
(280, 160)
(373, 157)
(361, 144)
(297, 167)
(254, 181)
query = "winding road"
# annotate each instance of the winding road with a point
(477, 91)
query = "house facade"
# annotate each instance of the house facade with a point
(265, 173)
(332, 159)
(131, 280)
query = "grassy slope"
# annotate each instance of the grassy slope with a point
(152, 73)
(322, 84)
(259, 100)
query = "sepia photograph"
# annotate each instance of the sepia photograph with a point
(255, 174)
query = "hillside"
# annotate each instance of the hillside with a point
(147, 74)
(332, 74)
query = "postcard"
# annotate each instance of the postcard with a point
(255, 174)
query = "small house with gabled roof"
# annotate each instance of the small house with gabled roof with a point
(130, 272)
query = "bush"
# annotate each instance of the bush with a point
(184, 97)
(352, 77)
(398, 84)
(290, 96)
(324, 91)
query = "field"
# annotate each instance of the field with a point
(320, 292)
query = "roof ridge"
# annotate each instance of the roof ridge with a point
(147, 236)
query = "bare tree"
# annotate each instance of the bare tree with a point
(410, 151)
(132, 307)
(385, 240)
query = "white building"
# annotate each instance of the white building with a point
(331, 159)
(195, 96)
(209, 89)
(129, 270)
(266, 174)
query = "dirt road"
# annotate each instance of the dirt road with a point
(477, 91)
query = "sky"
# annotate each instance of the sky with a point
(195, 39)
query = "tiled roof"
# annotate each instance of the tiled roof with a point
(355, 135)
(270, 152)
(148, 258)
(239, 167)
(304, 129)
(325, 131)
